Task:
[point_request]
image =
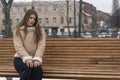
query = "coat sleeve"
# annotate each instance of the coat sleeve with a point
(19, 47)
(41, 48)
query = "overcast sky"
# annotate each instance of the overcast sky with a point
(104, 5)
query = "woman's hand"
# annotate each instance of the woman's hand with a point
(29, 63)
(36, 63)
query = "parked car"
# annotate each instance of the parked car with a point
(87, 35)
(1, 36)
(118, 36)
(102, 35)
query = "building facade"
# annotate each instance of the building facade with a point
(52, 15)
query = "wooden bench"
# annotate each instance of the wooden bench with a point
(71, 58)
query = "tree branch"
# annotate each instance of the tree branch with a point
(3, 3)
(10, 3)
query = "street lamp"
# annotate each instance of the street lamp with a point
(32, 4)
(75, 33)
(80, 17)
(67, 1)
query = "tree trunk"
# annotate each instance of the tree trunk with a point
(6, 8)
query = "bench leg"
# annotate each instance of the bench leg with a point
(9, 78)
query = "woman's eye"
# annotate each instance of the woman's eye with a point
(32, 18)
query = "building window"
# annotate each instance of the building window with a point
(3, 22)
(54, 20)
(54, 8)
(3, 11)
(69, 9)
(47, 31)
(17, 21)
(61, 8)
(70, 20)
(11, 10)
(33, 7)
(39, 9)
(17, 10)
(40, 20)
(54, 31)
(85, 20)
(62, 30)
(46, 8)
(46, 20)
(62, 20)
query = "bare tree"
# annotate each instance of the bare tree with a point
(6, 8)
(115, 18)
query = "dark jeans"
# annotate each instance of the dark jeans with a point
(27, 73)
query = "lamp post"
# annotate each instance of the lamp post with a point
(75, 35)
(67, 1)
(32, 4)
(80, 17)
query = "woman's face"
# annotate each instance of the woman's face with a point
(31, 20)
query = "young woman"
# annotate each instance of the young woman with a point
(29, 42)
